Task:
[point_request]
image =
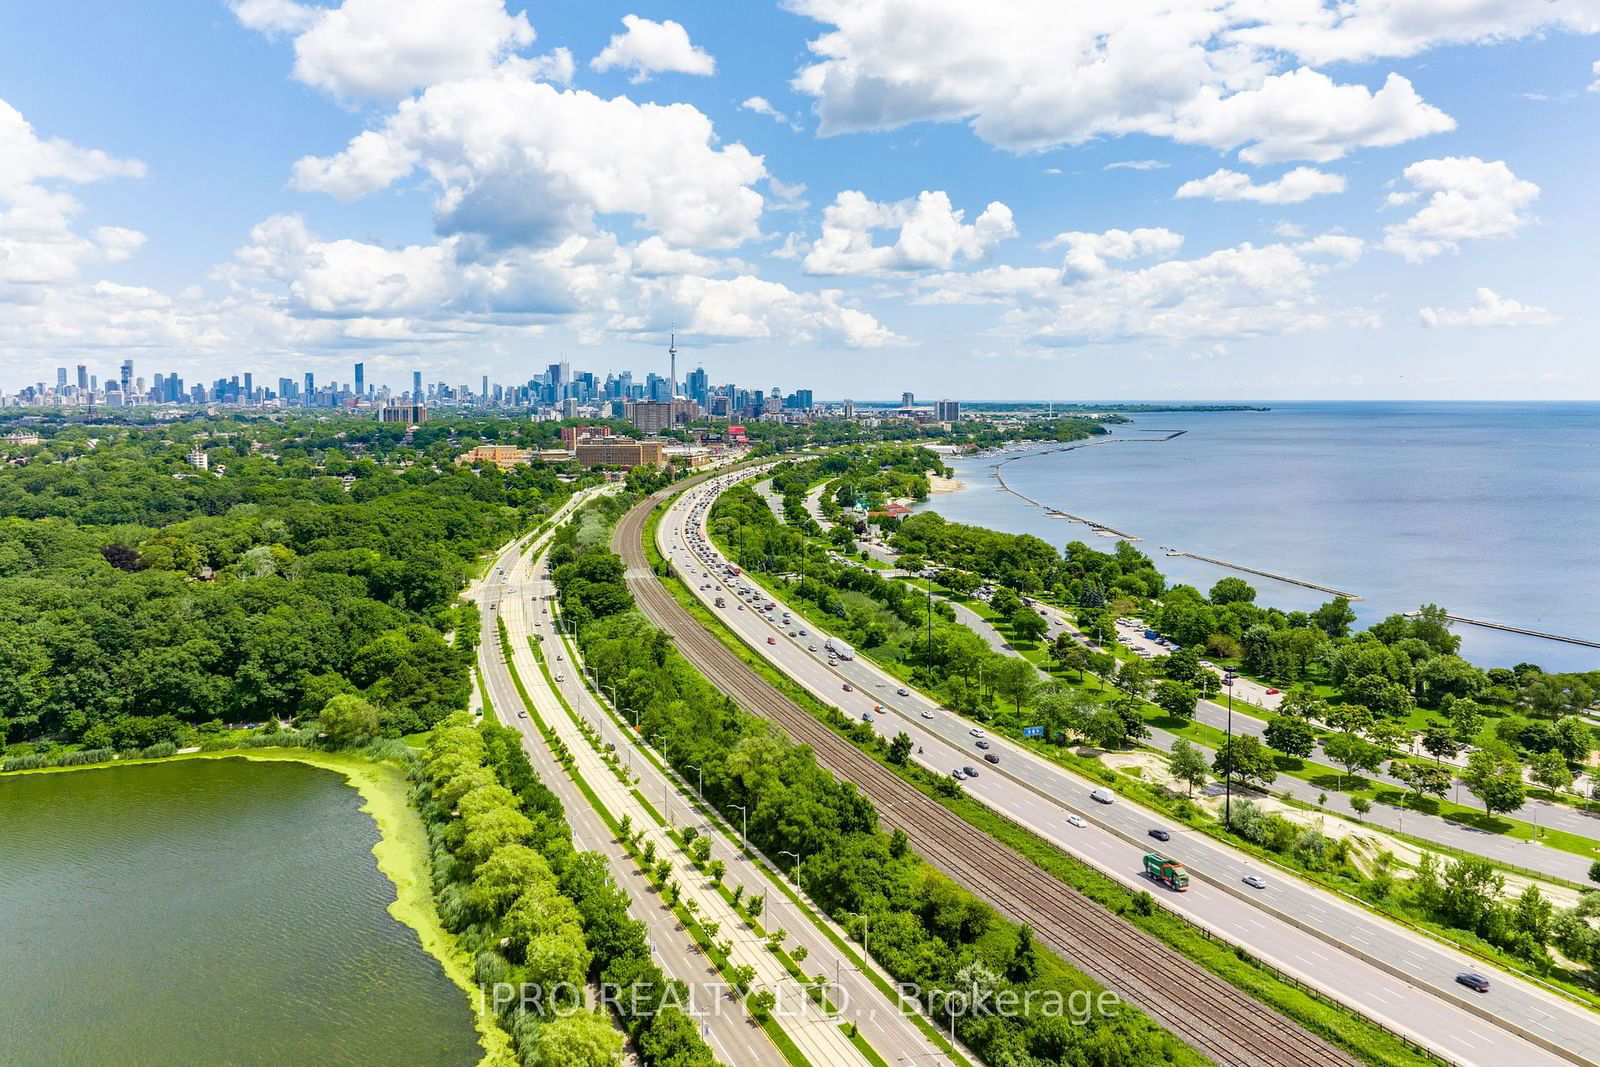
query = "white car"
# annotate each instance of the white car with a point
(975, 732)
(1076, 820)
(926, 714)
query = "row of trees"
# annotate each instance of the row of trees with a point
(532, 910)
(924, 928)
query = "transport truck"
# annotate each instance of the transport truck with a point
(1169, 872)
(839, 648)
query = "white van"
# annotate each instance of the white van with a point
(1103, 795)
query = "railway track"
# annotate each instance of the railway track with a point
(1199, 1008)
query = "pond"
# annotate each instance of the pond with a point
(209, 911)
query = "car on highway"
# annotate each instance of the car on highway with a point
(902, 692)
(522, 713)
(1254, 881)
(772, 640)
(958, 774)
(811, 648)
(992, 757)
(927, 713)
(983, 744)
(972, 772)
(975, 732)
(1474, 981)
(561, 677)
(802, 631)
(1102, 795)
(1159, 834)
(866, 716)
(848, 688)
(1074, 819)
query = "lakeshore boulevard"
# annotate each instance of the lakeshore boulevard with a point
(1485, 509)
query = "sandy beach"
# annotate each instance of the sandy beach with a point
(938, 483)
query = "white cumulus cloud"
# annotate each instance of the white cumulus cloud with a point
(1087, 252)
(518, 161)
(1468, 199)
(647, 48)
(930, 234)
(1030, 76)
(1297, 186)
(384, 49)
(1489, 309)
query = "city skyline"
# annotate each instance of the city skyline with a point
(1301, 203)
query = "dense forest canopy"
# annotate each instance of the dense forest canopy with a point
(141, 597)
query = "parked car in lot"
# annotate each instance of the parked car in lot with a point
(1159, 834)
(1076, 820)
(1473, 980)
(1272, 692)
(1255, 881)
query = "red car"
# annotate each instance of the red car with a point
(1272, 692)
(772, 640)
(848, 688)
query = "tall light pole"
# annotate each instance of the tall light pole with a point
(796, 855)
(701, 792)
(744, 834)
(1227, 802)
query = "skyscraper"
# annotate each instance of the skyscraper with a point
(127, 381)
(361, 380)
(83, 377)
(697, 386)
(311, 390)
(416, 387)
(483, 393)
(908, 400)
(61, 379)
(249, 387)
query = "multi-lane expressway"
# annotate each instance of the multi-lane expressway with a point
(1403, 979)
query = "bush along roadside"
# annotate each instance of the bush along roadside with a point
(535, 913)
(921, 926)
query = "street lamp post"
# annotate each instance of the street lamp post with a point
(744, 834)
(796, 855)
(701, 792)
(1227, 801)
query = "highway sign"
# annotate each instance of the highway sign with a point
(1033, 731)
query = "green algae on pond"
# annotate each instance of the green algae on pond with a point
(209, 911)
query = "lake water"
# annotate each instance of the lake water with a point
(1489, 510)
(208, 911)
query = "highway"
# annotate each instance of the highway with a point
(733, 1038)
(1202, 1010)
(1377, 967)
(892, 1034)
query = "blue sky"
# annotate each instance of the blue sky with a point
(1193, 199)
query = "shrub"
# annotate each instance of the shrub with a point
(88, 755)
(160, 750)
(25, 763)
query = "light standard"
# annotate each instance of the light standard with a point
(1227, 802)
(701, 792)
(786, 852)
(744, 834)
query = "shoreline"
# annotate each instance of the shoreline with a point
(401, 852)
(938, 483)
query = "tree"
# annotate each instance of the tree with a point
(1495, 778)
(1466, 719)
(1353, 753)
(1291, 735)
(900, 749)
(1027, 624)
(1420, 778)
(349, 720)
(1439, 740)
(1133, 677)
(1334, 618)
(1187, 764)
(1176, 699)
(579, 1039)
(1069, 655)
(1574, 738)
(1232, 590)
(1015, 679)
(1550, 770)
(1242, 757)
